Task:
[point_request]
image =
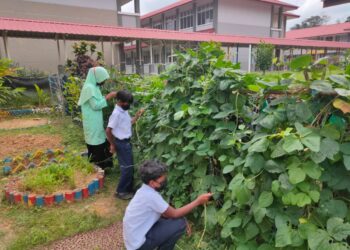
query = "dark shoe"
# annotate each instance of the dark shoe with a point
(124, 196)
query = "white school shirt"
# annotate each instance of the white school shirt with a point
(143, 211)
(120, 123)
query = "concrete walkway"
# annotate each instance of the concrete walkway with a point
(109, 238)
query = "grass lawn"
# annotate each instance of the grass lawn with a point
(24, 228)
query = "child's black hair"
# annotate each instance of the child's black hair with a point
(125, 96)
(152, 170)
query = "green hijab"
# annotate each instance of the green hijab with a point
(90, 89)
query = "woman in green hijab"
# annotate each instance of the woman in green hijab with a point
(92, 102)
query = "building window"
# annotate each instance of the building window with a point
(156, 58)
(170, 23)
(205, 14)
(158, 25)
(329, 38)
(277, 18)
(186, 19)
(146, 59)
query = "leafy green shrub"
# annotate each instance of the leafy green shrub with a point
(72, 89)
(55, 176)
(276, 155)
(43, 98)
(82, 62)
(264, 56)
(7, 93)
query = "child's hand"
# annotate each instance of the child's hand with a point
(112, 149)
(140, 113)
(111, 95)
(204, 198)
(188, 229)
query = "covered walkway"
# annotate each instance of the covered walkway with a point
(165, 40)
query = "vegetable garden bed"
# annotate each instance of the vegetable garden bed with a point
(50, 177)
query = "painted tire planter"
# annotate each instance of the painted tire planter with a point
(22, 112)
(13, 196)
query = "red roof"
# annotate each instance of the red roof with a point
(324, 30)
(291, 15)
(73, 31)
(183, 2)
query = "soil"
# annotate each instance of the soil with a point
(7, 234)
(14, 145)
(104, 207)
(22, 123)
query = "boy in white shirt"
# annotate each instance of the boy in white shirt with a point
(119, 132)
(149, 221)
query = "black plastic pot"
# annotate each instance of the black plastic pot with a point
(27, 82)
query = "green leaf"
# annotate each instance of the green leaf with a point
(346, 160)
(225, 84)
(340, 79)
(235, 222)
(255, 162)
(345, 148)
(296, 175)
(265, 199)
(318, 157)
(179, 115)
(300, 62)
(251, 231)
(272, 166)
(319, 239)
(306, 229)
(322, 86)
(338, 229)
(330, 132)
(243, 194)
(312, 170)
(227, 169)
(283, 236)
(255, 88)
(314, 195)
(334, 208)
(160, 137)
(301, 200)
(342, 92)
(292, 143)
(312, 141)
(223, 114)
(278, 151)
(268, 122)
(236, 182)
(329, 148)
(259, 213)
(259, 146)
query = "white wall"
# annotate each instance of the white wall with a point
(100, 4)
(244, 17)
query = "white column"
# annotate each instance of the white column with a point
(65, 49)
(151, 52)
(5, 39)
(102, 47)
(250, 58)
(112, 48)
(172, 51)
(58, 50)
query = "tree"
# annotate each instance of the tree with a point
(347, 19)
(312, 21)
(264, 56)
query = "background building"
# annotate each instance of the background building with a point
(41, 53)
